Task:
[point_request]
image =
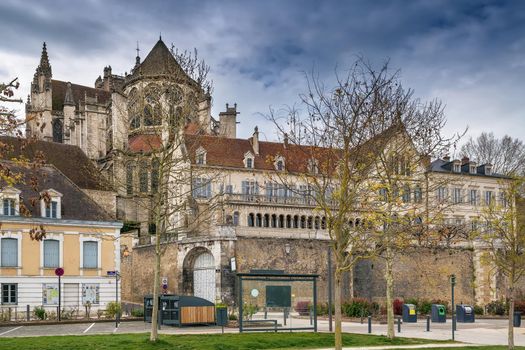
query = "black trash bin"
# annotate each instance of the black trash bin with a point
(465, 313)
(517, 319)
(439, 313)
(222, 316)
(409, 313)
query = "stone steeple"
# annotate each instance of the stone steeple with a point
(43, 74)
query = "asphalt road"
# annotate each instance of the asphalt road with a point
(492, 332)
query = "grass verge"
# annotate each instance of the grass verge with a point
(243, 341)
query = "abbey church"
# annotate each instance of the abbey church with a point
(259, 224)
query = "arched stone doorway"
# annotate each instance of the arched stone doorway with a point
(199, 274)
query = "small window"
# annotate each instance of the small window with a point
(236, 218)
(9, 207)
(90, 255)
(9, 293)
(52, 209)
(442, 194)
(201, 188)
(200, 156)
(249, 163)
(9, 252)
(406, 194)
(51, 253)
(472, 169)
(488, 170)
(457, 167)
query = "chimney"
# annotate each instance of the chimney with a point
(465, 160)
(285, 141)
(446, 158)
(255, 141)
(228, 122)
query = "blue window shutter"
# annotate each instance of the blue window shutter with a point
(9, 252)
(90, 256)
(51, 253)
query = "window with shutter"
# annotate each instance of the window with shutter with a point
(9, 252)
(51, 253)
(90, 255)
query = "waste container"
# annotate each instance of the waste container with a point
(438, 313)
(180, 310)
(465, 313)
(517, 319)
(409, 313)
(222, 316)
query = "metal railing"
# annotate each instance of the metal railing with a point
(270, 200)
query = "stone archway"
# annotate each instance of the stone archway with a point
(198, 275)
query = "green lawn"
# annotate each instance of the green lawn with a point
(201, 341)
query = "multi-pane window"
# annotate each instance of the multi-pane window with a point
(249, 163)
(441, 194)
(9, 252)
(457, 168)
(488, 197)
(406, 194)
(129, 179)
(154, 175)
(473, 197)
(143, 177)
(52, 209)
(201, 158)
(280, 165)
(503, 199)
(201, 188)
(458, 198)
(51, 253)
(9, 293)
(418, 194)
(250, 187)
(90, 254)
(9, 206)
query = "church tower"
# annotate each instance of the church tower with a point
(39, 106)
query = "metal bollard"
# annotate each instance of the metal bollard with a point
(369, 324)
(28, 312)
(454, 323)
(428, 323)
(399, 325)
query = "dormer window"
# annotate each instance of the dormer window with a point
(473, 169)
(249, 160)
(52, 208)
(279, 163)
(313, 166)
(10, 201)
(200, 156)
(456, 166)
(488, 169)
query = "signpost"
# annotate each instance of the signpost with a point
(452, 284)
(59, 272)
(117, 314)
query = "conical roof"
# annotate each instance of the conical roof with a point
(159, 61)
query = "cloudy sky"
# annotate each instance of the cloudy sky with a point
(469, 54)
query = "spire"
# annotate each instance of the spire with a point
(137, 59)
(68, 99)
(44, 67)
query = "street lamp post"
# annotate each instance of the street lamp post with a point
(329, 288)
(452, 284)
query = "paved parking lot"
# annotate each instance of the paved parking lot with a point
(481, 332)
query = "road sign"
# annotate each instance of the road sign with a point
(59, 271)
(111, 273)
(164, 280)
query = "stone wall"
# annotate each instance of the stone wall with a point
(421, 273)
(137, 272)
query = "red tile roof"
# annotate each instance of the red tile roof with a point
(144, 142)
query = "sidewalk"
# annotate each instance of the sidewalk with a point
(420, 346)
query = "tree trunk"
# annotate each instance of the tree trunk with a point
(156, 282)
(337, 305)
(389, 293)
(511, 312)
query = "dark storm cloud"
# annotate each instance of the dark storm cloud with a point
(469, 53)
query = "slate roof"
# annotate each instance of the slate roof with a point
(159, 61)
(59, 89)
(76, 205)
(445, 166)
(70, 160)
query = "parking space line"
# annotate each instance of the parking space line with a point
(87, 329)
(14, 329)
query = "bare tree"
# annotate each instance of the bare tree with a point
(502, 233)
(507, 155)
(164, 118)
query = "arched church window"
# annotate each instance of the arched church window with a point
(129, 178)
(143, 176)
(58, 131)
(133, 110)
(174, 99)
(154, 175)
(152, 106)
